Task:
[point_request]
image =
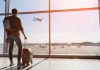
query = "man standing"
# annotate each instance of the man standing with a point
(14, 35)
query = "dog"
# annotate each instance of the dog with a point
(27, 56)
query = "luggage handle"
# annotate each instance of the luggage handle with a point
(25, 42)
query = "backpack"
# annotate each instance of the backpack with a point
(6, 24)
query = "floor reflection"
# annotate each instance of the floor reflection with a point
(56, 64)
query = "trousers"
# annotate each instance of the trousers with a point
(11, 40)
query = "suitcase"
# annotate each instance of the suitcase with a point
(27, 56)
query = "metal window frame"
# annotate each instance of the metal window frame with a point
(49, 11)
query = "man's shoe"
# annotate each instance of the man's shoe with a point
(19, 63)
(11, 64)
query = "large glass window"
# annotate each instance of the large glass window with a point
(36, 30)
(72, 4)
(76, 32)
(35, 25)
(73, 31)
(2, 10)
(2, 6)
(29, 5)
(1, 34)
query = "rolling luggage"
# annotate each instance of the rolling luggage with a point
(27, 56)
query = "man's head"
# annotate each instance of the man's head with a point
(14, 11)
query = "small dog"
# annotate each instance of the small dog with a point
(27, 56)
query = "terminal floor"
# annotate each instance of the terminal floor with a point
(57, 64)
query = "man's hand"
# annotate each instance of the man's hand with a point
(7, 40)
(25, 37)
(23, 34)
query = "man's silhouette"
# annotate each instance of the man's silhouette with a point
(14, 35)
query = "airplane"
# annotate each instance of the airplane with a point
(37, 19)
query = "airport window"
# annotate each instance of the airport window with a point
(2, 9)
(2, 6)
(73, 4)
(75, 32)
(74, 26)
(1, 35)
(29, 5)
(36, 32)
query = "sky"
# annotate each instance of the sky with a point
(74, 26)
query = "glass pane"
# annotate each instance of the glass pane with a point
(29, 5)
(75, 33)
(72, 4)
(36, 29)
(1, 34)
(2, 6)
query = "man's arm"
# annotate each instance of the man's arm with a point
(23, 33)
(21, 29)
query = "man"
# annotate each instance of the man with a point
(14, 35)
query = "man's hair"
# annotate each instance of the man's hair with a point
(14, 11)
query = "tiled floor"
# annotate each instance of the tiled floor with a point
(59, 64)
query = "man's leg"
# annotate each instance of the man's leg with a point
(11, 44)
(19, 44)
